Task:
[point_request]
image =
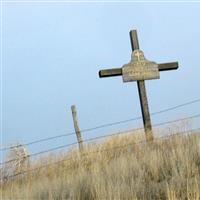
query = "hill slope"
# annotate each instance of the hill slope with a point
(118, 168)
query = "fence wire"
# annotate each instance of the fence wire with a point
(100, 137)
(105, 150)
(101, 126)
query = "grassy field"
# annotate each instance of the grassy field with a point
(121, 167)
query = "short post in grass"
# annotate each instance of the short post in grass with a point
(140, 69)
(76, 127)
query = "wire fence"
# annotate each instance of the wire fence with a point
(101, 137)
(102, 126)
(105, 150)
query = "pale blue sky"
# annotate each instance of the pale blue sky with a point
(52, 53)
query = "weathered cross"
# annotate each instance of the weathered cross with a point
(140, 69)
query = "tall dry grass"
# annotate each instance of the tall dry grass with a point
(118, 168)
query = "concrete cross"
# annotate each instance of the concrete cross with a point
(140, 69)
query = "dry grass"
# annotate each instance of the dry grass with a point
(165, 169)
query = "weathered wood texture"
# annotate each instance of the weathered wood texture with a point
(76, 127)
(139, 68)
(140, 76)
(142, 93)
(118, 71)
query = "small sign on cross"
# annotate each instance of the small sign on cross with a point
(140, 69)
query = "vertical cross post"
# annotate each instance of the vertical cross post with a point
(142, 93)
(76, 127)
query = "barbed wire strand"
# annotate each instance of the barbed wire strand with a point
(105, 150)
(101, 126)
(100, 137)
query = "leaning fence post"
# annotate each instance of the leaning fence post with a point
(76, 127)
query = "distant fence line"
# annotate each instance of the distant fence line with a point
(100, 137)
(101, 126)
(104, 150)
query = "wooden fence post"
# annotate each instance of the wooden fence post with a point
(76, 127)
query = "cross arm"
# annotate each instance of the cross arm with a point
(118, 71)
(110, 72)
(168, 66)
